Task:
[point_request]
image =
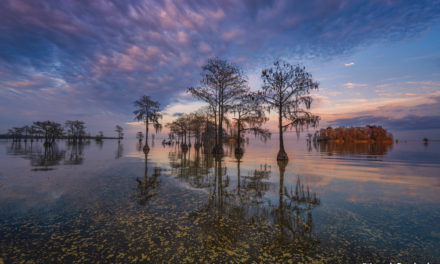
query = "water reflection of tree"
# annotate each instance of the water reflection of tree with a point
(331, 148)
(255, 185)
(237, 209)
(139, 146)
(75, 152)
(119, 151)
(293, 216)
(19, 149)
(195, 171)
(99, 143)
(222, 219)
(43, 157)
(46, 157)
(146, 187)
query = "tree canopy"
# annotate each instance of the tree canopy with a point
(286, 88)
(148, 111)
(220, 85)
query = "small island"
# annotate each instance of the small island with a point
(367, 134)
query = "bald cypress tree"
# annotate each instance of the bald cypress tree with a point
(249, 116)
(148, 111)
(286, 89)
(220, 85)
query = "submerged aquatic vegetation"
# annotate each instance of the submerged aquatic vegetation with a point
(194, 207)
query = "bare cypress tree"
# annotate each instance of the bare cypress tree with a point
(33, 131)
(249, 116)
(75, 129)
(197, 122)
(221, 83)
(50, 130)
(99, 136)
(120, 131)
(286, 89)
(17, 133)
(180, 127)
(26, 130)
(148, 111)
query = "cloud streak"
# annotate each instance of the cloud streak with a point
(409, 122)
(354, 85)
(422, 116)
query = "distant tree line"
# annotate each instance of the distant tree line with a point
(72, 130)
(367, 134)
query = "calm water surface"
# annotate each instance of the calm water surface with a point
(108, 203)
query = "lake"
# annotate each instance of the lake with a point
(108, 202)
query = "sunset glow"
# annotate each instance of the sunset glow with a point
(194, 131)
(375, 61)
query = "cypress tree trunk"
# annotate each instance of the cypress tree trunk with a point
(218, 149)
(282, 155)
(238, 177)
(146, 147)
(238, 149)
(282, 167)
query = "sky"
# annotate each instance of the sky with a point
(377, 62)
